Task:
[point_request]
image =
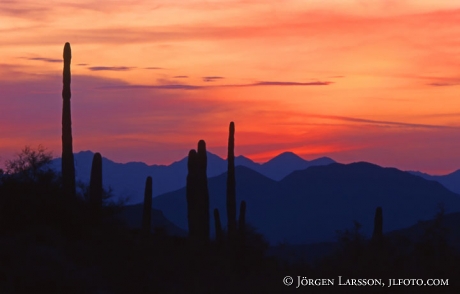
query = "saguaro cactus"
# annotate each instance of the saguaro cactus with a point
(95, 185)
(231, 185)
(377, 235)
(197, 194)
(147, 214)
(68, 168)
(191, 193)
(218, 226)
(203, 193)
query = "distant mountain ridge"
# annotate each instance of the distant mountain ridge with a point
(128, 179)
(285, 163)
(450, 181)
(310, 205)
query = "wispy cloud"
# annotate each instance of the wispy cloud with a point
(110, 68)
(28, 10)
(273, 83)
(152, 67)
(441, 84)
(302, 118)
(212, 78)
(82, 64)
(380, 122)
(52, 60)
(440, 81)
(180, 77)
(451, 114)
(194, 87)
(163, 87)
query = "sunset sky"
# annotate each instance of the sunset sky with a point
(355, 80)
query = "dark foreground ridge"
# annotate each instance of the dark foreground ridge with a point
(54, 244)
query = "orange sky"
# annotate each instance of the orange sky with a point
(356, 80)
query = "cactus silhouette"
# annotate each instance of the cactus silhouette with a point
(231, 185)
(68, 168)
(377, 235)
(191, 193)
(95, 185)
(218, 226)
(197, 194)
(147, 213)
(203, 193)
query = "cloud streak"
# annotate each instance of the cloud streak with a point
(110, 68)
(51, 60)
(402, 124)
(161, 87)
(212, 78)
(286, 84)
(195, 87)
(301, 116)
(441, 84)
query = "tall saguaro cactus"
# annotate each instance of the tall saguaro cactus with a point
(147, 214)
(231, 185)
(68, 168)
(95, 185)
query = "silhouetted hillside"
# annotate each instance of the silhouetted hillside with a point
(450, 181)
(313, 252)
(132, 216)
(310, 205)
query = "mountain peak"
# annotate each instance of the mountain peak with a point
(286, 157)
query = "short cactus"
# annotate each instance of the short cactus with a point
(95, 186)
(147, 213)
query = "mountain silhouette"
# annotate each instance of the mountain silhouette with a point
(309, 205)
(450, 181)
(287, 162)
(127, 179)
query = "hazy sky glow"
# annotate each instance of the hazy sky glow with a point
(356, 80)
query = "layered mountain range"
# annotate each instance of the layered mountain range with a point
(289, 199)
(127, 180)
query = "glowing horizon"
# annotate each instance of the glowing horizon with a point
(353, 80)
